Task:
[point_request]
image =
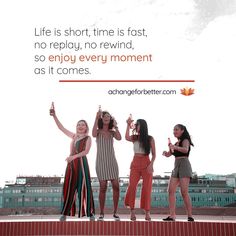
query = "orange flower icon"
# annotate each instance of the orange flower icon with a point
(187, 91)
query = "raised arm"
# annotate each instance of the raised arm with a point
(128, 137)
(60, 126)
(95, 126)
(117, 134)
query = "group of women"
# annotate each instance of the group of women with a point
(105, 130)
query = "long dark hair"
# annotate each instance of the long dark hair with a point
(185, 134)
(100, 122)
(143, 136)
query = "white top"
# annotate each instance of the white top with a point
(138, 148)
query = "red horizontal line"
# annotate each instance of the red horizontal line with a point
(132, 81)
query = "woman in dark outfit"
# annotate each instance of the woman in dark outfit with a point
(182, 171)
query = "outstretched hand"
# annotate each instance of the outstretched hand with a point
(165, 153)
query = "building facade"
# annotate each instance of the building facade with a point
(47, 192)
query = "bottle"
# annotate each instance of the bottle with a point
(169, 142)
(52, 109)
(100, 110)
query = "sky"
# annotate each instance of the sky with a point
(189, 40)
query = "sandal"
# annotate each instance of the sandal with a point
(190, 218)
(168, 219)
(116, 217)
(133, 218)
(62, 218)
(101, 217)
(147, 216)
(92, 218)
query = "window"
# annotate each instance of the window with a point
(19, 199)
(7, 191)
(7, 200)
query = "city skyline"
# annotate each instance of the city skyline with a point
(154, 176)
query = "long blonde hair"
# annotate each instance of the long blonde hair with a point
(75, 136)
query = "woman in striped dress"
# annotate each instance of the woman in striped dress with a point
(105, 130)
(77, 176)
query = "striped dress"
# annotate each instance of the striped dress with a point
(77, 181)
(106, 164)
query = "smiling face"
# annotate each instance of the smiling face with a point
(178, 131)
(106, 118)
(81, 127)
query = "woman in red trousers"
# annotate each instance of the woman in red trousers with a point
(141, 166)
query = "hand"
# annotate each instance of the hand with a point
(129, 121)
(52, 112)
(99, 114)
(150, 169)
(70, 159)
(165, 153)
(172, 147)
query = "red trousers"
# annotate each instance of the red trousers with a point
(138, 169)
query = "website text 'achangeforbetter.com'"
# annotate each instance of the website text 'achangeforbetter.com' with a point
(130, 92)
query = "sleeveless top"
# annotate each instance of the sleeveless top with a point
(78, 146)
(138, 148)
(181, 154)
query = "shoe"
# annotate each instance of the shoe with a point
(133, 218)
(62, 218)
(190, 218)
(148, 218)
(168, 219)
(101, 217)
(116, 217)
(92, 218)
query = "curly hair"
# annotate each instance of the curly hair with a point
(100, 122)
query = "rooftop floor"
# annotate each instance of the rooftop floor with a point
(123, 217)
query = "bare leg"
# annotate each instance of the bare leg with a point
(102, 195)
(116, 193)
(173, 184)
(184, 183)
